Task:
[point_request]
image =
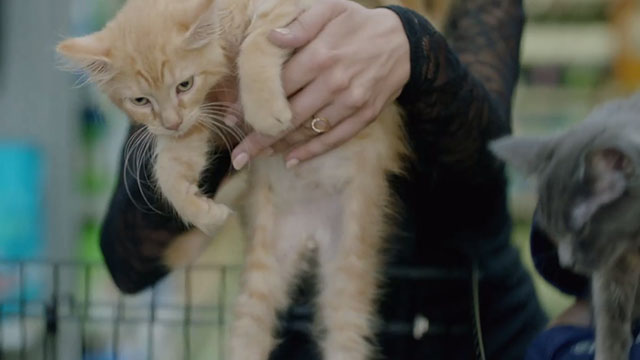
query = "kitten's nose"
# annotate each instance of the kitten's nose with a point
(172, 124)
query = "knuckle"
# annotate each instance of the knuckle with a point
(339, 82)
(337, 5)
(323, 57)
(330, 4)
(357, 97)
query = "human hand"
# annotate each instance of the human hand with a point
(350, 62)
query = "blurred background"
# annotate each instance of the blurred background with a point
(59, 149)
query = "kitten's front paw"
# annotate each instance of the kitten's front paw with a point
(266, 113)
(214, 216)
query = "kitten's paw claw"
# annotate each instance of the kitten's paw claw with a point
(268, 116)
(213, 217)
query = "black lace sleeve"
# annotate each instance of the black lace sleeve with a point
(461, 86)
(139, 225)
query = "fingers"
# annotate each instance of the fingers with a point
(319, 145)
(250, 147)
(311, 61)
(307, 26)
(334, 114)
(310, 100)
(296, 74)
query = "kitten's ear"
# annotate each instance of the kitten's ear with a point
(606, 172)
(527, 154)
(89, 53)
(205, 26)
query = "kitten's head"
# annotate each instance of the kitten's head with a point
(587, 184)
(157, 60)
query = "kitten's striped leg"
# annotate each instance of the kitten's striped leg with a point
(349, 275)
(265, 285)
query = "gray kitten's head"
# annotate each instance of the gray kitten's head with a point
(587, 183)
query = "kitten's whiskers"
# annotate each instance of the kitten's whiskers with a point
(138, 149)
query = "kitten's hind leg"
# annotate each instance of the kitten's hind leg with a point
(614, 293)
(349, 271)
(266, 283)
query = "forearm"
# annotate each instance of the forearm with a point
(459, 94)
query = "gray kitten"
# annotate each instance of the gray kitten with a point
(589, 204)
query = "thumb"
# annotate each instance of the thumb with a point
(307, 25)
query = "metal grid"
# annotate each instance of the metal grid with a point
(71, 311)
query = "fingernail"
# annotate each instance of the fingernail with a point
(230, 120)
(240, 161)
(282, 31)
(292, 163)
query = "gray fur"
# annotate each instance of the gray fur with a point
(588, 182)
(527, 154)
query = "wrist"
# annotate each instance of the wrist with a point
(417, 31)
(397, 42)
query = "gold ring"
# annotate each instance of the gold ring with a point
(320, 124)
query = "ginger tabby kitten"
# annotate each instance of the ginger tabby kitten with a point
(158, 60)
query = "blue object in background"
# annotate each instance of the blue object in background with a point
(21, 220)
(21, 204)
(565, 342)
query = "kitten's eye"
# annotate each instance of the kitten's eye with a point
(140, 101)
(185, 85)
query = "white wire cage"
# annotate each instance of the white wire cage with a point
(71, 311)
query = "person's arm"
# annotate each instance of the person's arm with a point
(459, 94)
(139, 226)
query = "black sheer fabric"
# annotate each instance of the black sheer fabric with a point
(461, 86)
(459, 98)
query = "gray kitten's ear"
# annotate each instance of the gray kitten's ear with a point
(89, 53)
(608, 170)
(527, 154)
(205, 26)
(607, 173)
